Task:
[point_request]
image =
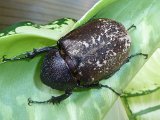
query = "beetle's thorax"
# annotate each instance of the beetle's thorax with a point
(98, 49)
(56, 73)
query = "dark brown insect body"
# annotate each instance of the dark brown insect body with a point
(86, 55)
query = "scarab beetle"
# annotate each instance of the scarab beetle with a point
(83, 57)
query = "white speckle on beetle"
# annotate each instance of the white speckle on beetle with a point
(94, 68)
(106, 30)
(89, 62)
(81, 64)
(127, 44)
(108, 43)
(80, 73)
(114, 53)
(99, 38)
(98, 64)
(103, 43)
(93, 40)
(105, 61)
(75, 51)
(102, 34)
(86, 44)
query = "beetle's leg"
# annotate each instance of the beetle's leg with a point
(28, 55)
(98, 85)
(132, 26)
(137, 54)
(106, 86)
(53, 100)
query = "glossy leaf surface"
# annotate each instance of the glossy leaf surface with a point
(20, 80)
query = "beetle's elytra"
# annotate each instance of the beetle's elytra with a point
(84, 56)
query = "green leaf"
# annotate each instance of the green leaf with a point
(99, 6)
(20, 80)
(142, 94)
(25, 36)
(147, 79)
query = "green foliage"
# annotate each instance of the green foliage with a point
(20, 80)
(25, 36)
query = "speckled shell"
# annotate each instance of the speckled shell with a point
(95, 50)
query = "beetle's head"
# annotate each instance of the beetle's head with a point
(56, 73)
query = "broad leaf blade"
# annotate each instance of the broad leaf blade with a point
(25, 36)
(91, 104)
(142, 94)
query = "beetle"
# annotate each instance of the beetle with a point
(83, 57)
